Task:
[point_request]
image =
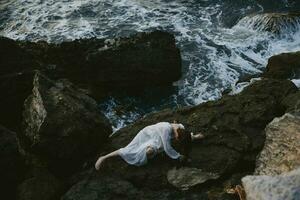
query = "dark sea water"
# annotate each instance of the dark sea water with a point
(217, 46)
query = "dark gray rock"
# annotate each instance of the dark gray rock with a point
(11, 163)
(15, 81)
(283, 66)
(41, 185)
(14, 59)
(186, 177)
(148, 59)
(61, 126)
(142, 60)
(105, 188)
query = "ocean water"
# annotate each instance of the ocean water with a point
(218, 43)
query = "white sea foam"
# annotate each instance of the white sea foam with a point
(272, 22)
(240, 86)
(214, 56)
(296, 82)
(120, 119)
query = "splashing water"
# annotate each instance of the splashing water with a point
(276, 23)
(214, 54)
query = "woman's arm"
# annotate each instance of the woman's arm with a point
(175, 132)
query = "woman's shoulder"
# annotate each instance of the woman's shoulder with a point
(163, 124)
(170, 125)
(177, 126)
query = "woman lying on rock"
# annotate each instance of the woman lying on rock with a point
(152, 140)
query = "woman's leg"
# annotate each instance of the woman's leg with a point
(102, 158)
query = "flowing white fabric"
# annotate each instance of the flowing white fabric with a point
(157, 136)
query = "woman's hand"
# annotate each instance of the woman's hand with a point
(182, 158)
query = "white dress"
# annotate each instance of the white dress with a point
(157, 136)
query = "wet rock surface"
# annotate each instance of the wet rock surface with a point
(61, 126)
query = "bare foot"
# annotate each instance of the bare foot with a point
(99, 162)
(197, 136)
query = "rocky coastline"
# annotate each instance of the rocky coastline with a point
(97, 66)
(52, 130)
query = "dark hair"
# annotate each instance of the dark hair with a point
(184, 143)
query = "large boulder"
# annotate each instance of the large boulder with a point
(11, 163)
(144, 59)
(272, 22)
(16, 72)
(61, 125)
(40, 185)
(285, 186)
(234, 129)
(283, 66)
(148, 59)
(277, 173)
(281, 152)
